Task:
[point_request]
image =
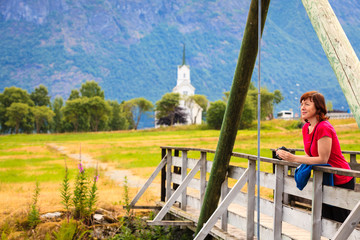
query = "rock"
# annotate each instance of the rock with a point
(98, 217)
(51, 215)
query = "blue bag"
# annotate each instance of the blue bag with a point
(303, 172)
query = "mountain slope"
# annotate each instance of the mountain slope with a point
(132, 45)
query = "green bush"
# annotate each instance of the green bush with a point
(215, 114)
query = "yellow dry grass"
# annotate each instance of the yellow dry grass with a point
(16, 198)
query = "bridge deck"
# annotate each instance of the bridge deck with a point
(192, 214)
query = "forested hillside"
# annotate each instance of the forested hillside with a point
(132, 47)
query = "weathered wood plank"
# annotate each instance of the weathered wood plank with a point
(224, 192)
(215, 231)
(168, 173)
(338, 50)
(317, 206)
(349, 225)
(170, 223)
(202, 176)
(177, 193)
(278, 197)
(184, 167)
(148, 182)
(163, 178)
(250, 226)
(222, 207)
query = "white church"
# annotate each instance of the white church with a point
(185, 89)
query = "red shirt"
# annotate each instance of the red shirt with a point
(336, 159)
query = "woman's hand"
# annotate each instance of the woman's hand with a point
(284, 155)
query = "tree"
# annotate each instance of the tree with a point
(117, 119)
(249, 111)
(139, 106)
(91, 89)
(16, 114)
(200, 100)
(268, 100)
(56, 107)
(179, 116)
(249, 114)
(42, 115)
(75, 94)
(215, 114)
(329, 106)
(165, 107)
(14, 95)
(40, 96)
(73, 111)
(126, 111)
(98, 110)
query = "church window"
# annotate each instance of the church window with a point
(184, 75)
(185, 93)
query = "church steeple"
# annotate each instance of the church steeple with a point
(183, 60)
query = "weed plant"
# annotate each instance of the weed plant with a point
(34, 215)
(133, 227)
(65, 193)
(71, 230)
(80, 194)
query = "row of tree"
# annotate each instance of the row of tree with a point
(216, 110)
(87, 110)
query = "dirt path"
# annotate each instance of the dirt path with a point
(118, 175)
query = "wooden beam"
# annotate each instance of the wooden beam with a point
(234, 109)
(349, 225)
(278, 201)
(170, 223)
(202, 176)
(177, 193)
(222, 207)
(168, 174)
(142, 207)
(224, 192)
(317, 205)
(148, 182)
(338, 50)
(184, 167)
(250, 226)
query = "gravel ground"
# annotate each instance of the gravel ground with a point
(118, 175)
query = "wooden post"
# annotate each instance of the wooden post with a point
(317, 201)
(235, 106)
(202, 177)
(250, 227)
(278, 204)
(224, 192)
(183, 176)
(163, 178)
(176, 169)
(338, 50)
(349, 225)
(353, 158)
(168, 174)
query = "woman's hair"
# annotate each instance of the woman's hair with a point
(319, 101)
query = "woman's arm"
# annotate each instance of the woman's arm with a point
(324, 150)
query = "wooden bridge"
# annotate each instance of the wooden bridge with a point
(183, 188)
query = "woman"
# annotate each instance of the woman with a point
(321, 146)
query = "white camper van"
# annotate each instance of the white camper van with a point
(285, 115)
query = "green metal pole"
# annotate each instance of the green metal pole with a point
(235, 105)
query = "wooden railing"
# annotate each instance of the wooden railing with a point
(175, 181)
(353, 163)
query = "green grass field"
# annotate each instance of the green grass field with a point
(25, 159)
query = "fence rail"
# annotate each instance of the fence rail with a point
(178, 177)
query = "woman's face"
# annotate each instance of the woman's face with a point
(308, 109)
